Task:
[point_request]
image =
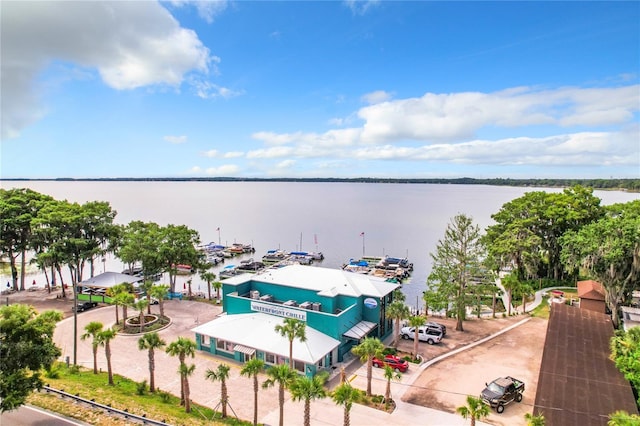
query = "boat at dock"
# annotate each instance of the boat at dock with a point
(250, 266)
(390, 268)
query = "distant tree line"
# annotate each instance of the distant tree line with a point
(620, 184)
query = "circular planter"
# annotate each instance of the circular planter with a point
(135, 321)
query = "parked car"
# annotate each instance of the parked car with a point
(83, 306)
(437, 326)
(152, 300)
(502, 391)
(398, 364)
(425, 334)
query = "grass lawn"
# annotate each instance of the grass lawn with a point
(125, 394)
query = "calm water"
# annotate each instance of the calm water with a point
(399, 220)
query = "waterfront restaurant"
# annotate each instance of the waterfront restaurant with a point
(339, 308)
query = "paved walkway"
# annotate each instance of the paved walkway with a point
(131, 362)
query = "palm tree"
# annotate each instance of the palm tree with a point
(251, 369)
(182, 347)
(104, 337)
(113, 292)
(92, 330)
(526, 290)
(151, 342)
(208, 276)
(186, 371)
(141, 305)
(346, 395)
(217, 285)
(221, 374)
(416, 321)
(510, 284)
(146, 287)
(283, 375)
(125, 300)
(306, 389)
(536, 420)
(389, 374)
(291, 329)
(397, 311)
(369, 348)
(160, 292)
(476, 409)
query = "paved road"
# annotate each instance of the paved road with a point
(31, 416)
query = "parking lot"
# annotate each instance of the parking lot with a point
(431, 394)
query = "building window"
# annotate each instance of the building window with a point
(298, 365)
(223, 345)
(205, 340)
(269, 358)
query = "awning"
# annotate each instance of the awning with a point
(244, 350)
(360, 330)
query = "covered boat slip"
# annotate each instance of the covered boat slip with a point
(242, 336)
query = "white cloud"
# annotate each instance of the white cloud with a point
(442, 128)
(207, 9)
(586, 149)
(224, 170)
(207, 90)
(360, 7)
(286, 164)
(130, 44)
(212, 153)
(233, 154)
(376, 97)
(176, 139)
(458, 116)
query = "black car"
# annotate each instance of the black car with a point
(437, 326)
(83, 306)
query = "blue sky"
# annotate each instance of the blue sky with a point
(320, 89)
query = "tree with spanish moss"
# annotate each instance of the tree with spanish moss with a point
(608, 251)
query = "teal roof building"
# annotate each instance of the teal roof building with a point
(339, 308)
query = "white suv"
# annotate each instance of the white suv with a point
(425, 334)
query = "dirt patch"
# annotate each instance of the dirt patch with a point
(518, 353)
(42, 300)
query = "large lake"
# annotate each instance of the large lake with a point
(399, 220)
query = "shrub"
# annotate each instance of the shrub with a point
(141, 387)
(164, 396)
(389, 351)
